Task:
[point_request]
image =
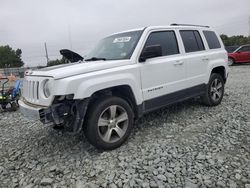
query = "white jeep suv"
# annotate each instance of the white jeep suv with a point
(125, 76)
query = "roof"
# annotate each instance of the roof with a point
(245, 45)
(186, 26)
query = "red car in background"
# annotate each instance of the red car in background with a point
(240, 55)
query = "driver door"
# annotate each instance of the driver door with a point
(244, 54)
(162, 76)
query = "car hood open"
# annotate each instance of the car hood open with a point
(70, 55)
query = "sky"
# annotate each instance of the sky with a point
(79, 24)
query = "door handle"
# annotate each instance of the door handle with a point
(178, 63)
(205, 59)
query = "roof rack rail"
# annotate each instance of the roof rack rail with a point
(175, 24)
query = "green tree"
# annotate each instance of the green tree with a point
(57, 62)
(10, 57)
(237, 40)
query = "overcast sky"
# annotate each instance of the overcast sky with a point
(79, 24)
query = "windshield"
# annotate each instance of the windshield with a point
(115, 47)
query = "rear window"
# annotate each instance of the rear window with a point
(192, 41)
(212, 39)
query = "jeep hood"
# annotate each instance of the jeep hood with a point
(70, 55)
(67, 70)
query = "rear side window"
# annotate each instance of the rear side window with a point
(166, 39)
(212, 39)
(192, 41)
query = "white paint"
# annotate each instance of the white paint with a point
(160, 76)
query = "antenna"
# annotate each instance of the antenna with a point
(46, 52)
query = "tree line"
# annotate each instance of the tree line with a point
(12, 58)
(235, 40)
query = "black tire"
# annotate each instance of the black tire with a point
(210, 91)
(97, 112)
(230, 61)
(4, 107)
(14, 106)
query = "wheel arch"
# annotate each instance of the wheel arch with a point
(123, 91)
(233, 58)
(221, 70)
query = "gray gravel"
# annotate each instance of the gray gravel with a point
(184, 145)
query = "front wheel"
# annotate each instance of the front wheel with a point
(14, 106)
(109, 122)
(214, 90)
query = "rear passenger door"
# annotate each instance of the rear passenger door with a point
(195, 57)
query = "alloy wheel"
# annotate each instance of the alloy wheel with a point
(230, 62)
(113, 123)
(216, 90)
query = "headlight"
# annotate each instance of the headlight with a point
(46, 88)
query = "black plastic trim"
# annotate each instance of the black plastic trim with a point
(175, 24)
(171, 98)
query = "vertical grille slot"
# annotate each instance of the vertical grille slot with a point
(35, 93)
(37, 90)
(29, 89)
(33, 90)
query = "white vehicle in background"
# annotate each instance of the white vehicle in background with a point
(125, 76)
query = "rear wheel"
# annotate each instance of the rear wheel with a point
(214, 90)
(230, 61)
(109, 122)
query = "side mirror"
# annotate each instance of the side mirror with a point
(150, 52)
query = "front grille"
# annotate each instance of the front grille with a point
(31, 90)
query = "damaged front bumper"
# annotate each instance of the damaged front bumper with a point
(57, 113)
(46, 115)
(28, 111)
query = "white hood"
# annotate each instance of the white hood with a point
(66, 70)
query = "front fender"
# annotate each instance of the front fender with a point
(88, 87)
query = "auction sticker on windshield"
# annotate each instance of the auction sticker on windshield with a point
(122, 39)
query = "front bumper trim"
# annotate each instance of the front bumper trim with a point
(29, 111)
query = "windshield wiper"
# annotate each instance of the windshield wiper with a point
(95, 59)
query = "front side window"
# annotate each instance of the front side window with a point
(115, 47)
(212, 39)
(166, 40)
(192, 41)
(244, 49)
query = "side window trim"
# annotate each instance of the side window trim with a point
(202, 42)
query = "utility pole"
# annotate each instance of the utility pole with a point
(46, 52)
(69, 33)
(249, 27)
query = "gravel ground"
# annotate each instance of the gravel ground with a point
(184, 145)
